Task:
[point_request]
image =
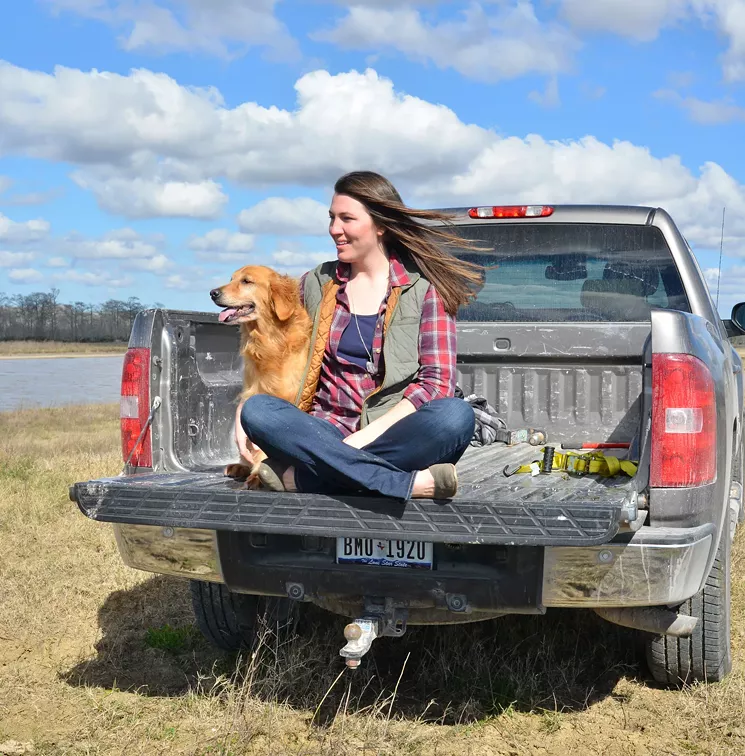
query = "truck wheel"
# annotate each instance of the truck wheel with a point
(229, 620)
(707, 655)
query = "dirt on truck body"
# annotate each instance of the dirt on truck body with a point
(594, 325)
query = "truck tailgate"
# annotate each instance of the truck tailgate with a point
(552, 509)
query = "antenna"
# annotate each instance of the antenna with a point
(721, 245)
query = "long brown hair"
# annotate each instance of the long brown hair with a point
(456, 281)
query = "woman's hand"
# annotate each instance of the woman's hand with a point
(360, 438)
(370, 432)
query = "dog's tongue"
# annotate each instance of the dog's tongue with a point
(225, 314)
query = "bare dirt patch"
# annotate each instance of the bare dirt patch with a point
(96, 658)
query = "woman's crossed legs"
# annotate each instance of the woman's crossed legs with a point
(437, 432)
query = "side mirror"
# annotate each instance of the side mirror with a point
(738, 317)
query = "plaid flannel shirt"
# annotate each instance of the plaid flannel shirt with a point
(343, 386)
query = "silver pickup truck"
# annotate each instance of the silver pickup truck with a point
(593, 325)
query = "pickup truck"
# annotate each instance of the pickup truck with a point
(594, 325)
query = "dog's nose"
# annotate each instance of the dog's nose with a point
(215, 293)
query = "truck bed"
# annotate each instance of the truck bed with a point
(554, 509)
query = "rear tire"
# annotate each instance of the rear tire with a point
(229, 621)
(707, 655)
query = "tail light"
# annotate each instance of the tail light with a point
(684, 422)
(135, 407)
(511, 211)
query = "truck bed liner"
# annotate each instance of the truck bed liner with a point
(550, 509)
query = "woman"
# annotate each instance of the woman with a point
(378, 392)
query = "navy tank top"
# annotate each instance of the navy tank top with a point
(350, 347)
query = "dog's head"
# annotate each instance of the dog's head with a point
(256, 292)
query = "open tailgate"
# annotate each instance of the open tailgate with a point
(521, 510)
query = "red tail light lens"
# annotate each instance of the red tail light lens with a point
(135, 406)
(511, 211)
(684, 422)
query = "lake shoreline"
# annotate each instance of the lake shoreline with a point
(64, 355)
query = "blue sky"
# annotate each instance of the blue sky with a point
(150, 147)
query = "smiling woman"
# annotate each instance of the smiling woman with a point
(373, 412)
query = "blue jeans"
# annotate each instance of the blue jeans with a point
(437, 432)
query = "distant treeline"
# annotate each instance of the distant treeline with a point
(41, 317)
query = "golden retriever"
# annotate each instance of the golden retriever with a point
(275, 338)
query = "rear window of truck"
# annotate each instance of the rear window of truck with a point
(542, 272)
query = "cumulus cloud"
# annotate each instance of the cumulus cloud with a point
(112, 246)
(705, 112)
(138, 131)
(288, 258)
(11, 259)
(642, 20)
(151, 198)
(299, 216)
(25, 275)
(222, 245)
(224, 28)
(159, 264)
(96, 278)
(194, 279)
(549, 98)
(638, 19)
(351, 120)
(58, 262)
(22, 232)
(503, 42)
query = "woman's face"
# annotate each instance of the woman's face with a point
(352, 229)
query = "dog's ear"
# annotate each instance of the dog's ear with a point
(284, 297)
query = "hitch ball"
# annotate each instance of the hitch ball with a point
(352, 631)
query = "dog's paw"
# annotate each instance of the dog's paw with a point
(252, 482)
(237, 471)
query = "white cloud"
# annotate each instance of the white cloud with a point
(221, 245)
(289, 258)
(731, 286)
(22, 232)
(549, 98)
(5, 183)
(159, 264)
(11, 259)
(25, 275)
(58, 262)
(95, 278)
(150, 198)
(148, 122)
(32, 198)
(134, 133)
(283, 216)
(196, 280)
(503, 42)
(119, 244)
(704, 112)
(637, 19)
(225, 28)
(642, 20)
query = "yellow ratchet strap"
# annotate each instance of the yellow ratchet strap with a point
(591, 463)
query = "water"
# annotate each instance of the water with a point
(57, 381)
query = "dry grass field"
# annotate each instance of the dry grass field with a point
(16, 349)
(96, 658)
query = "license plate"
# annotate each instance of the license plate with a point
(383, 552)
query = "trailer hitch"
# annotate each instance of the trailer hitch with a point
(382, 618)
